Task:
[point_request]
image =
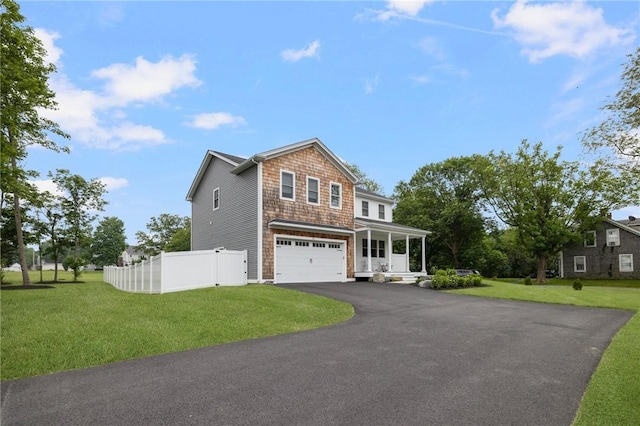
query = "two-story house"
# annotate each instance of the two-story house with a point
(298, 212)
(610, 250)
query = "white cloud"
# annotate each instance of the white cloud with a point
(431, 46)
(563, 28)
(399, 8)
(48, 39)
(309, 51)
(112, 183)
(215, 120)
(147, 81)
(47, 185)
(371, 84)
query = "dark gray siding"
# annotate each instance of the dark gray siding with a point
(234, 225)
(603, 261)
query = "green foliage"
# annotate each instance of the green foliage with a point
(160, 231)
(618, 132)
(443, 198)
(25, 94)
(577, 284)
(74, 264)
(528, 280)
(449, 278)
(109, 241)
(548, 201)
(365, 181)
(181, 239)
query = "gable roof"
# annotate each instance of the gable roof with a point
(288, 149)
(371, 194)
(622, 226)
(241, 164)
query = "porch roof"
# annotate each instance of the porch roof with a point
(379, 225)
(307, 226)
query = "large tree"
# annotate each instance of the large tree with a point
(160, 231)
(109, 241)
(548, 201)
(619, 131)
(364, 181)
(24, 94)
(181, 239)
(443, 198)
(80, 199)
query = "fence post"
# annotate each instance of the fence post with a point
(150, 274)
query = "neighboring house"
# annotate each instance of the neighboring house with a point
(299, 214)
(130, 256)
(611, 250)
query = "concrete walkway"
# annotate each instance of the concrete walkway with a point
(408, 357)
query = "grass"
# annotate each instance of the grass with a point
(586, 283)
(613, 392)
(78, 325)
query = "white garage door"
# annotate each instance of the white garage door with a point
(302, 261)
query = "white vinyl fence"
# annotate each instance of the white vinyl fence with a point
(178, 271)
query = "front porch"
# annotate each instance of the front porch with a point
(375, 250)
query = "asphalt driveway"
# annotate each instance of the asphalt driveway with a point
(408, 357)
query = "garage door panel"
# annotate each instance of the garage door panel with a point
(308, 261)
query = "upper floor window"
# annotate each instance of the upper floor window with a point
(626, 262)
(287, 185)
(216, 198)
(613, 237)
(381, 211)
(590, 239)
(365, 208)
(312, 190)
(336, 195)
(579, 264)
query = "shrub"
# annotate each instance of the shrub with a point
(528, 281)
(577, 284)
(476, 280)
(441, 280)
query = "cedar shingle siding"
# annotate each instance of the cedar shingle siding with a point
(603, 261)
(234, 225)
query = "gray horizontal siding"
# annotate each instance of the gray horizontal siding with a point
(234, 225)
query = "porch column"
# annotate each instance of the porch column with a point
(424, 257)
(389, 251)
(406, 258)
(368, 250)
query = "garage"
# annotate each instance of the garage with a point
(303, 261)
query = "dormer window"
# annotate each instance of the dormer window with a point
(365, 208)
(287, 185)
(381, 211)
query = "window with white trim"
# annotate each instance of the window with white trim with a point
(579, 264)
(374, 248)
(626, 262)
(613, 237)
(381, 211)
(590, 239)
(313, 193)
(287, 185)
(381, 251)
(336, 195)
(377, 248)
(216, 198)
(365, 208)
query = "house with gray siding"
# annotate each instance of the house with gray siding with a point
(610, 250)
(300, 215)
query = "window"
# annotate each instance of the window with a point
(216, 198)
(381, 211)
(336, 195)
(287, 185)
(374, 248)
(377, 248)
(579, 264)
(365, 245)
(613, 237)
(626, 262)
(590, 239)
(312, 190)
(381, 252)
(365, 208)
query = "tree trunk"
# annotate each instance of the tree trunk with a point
(542, 268)
(20, 236)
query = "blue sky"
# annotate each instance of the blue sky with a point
(146, 88)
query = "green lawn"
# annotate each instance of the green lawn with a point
(613, 394)
(77, 325)
(585, 283)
